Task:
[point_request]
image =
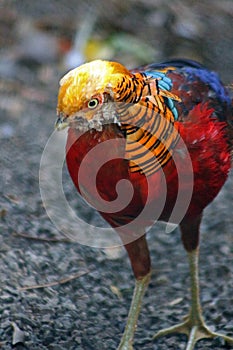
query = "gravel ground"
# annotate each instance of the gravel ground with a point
(85, 292)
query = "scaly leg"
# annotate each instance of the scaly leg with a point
(194, 326)
(139, 291)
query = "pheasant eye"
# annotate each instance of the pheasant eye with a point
(93, 103)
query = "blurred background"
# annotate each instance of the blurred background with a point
(133, 32)
(39, 42)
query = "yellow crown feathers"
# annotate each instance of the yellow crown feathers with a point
(85, 81)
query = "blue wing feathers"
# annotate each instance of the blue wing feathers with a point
(211, 79)
(164, 83)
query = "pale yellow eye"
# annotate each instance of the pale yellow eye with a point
(93, 103)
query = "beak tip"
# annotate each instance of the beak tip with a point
(60, 124)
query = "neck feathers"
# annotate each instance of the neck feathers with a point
(147, 121)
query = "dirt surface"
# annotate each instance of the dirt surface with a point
(87, 292)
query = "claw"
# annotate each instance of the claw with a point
(193, 326)
(195, 332)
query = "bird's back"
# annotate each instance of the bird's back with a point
(194, 84)
(204, 119)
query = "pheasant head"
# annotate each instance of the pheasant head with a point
(86, 93)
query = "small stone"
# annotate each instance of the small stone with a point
(18, 334)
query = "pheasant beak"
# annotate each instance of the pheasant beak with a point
(61, 123)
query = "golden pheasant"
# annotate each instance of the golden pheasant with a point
(166, 130)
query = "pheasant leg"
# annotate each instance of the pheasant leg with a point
(193, 326)
(139, 291)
